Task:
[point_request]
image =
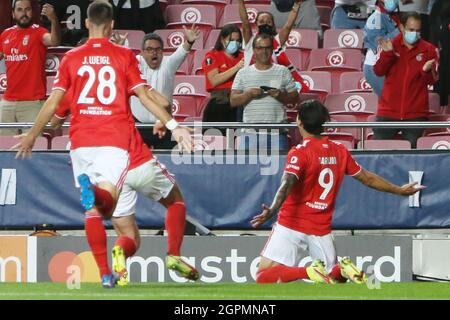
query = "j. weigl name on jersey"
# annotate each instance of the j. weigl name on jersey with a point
(96, 60)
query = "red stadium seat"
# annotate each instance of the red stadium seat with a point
(7, 142)
(248, 2)
(231, 13)
(349, 145)
(190, 85)
(60, 143)
(335, 61)
(346, 134)
(186, 105)
(2, 83)
(134, 39)
(318, 81)
(203, 16)
(360, 105)
(434, 101)
(212, 38)
(325, 3)
(339, 38)
(53, 59)
(435, 143)
(386, 145)
(325, 16)
(295, 57)
(437, 131)
(172, 39)
(199, 56)
(354, 82)
(305, 40)
(218, 4)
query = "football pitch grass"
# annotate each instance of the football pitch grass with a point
(228, 291)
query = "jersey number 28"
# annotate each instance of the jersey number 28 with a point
(106, 78)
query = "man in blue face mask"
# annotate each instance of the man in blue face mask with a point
(409, 64)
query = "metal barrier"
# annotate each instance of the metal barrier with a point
(241, 125)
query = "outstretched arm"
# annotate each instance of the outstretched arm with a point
(287, 182)
(376, 182)
(53, 38)
(246, 27)
(286, 29)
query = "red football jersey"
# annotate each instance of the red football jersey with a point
(139, 152)
(100, 75)
(320, 166)
(24, 55)
(219, 60)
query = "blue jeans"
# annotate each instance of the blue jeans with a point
(375, 81)
(255, 141)
(340, 20)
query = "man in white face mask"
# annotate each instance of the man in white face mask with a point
(410, 65)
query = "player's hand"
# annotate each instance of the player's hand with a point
(182, 135)
(159, 129)
(386, 45)
(410, 188)
(49, 11)
(265, 215)
(118, 38)
(24, 147)
(192, 34)
(274, 93)
(429, 65)
(255, 93)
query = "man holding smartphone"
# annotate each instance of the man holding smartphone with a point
(263, 89)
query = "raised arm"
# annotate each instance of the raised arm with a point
(53, 38)
(287, 182)
(246, 27)
(286, 29)
(376, 182)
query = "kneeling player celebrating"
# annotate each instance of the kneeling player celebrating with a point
(306, 197)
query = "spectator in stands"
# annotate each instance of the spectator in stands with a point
(265, 23)
(24, 48)
(159, 71)
(410, 66)
(143, 15)
(422, 7)
(440, 37)
(383, 23)
(308, 15)
(350, 14)
(220, 66)
(263, 89)
(73, 15)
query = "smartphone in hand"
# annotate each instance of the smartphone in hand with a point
(266, 88)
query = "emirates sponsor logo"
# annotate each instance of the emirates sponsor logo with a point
(15, 56)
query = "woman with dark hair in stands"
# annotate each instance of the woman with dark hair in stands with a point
(220, 66)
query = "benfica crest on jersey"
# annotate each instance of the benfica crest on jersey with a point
(25, 40)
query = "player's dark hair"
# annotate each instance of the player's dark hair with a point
(227, 30)
(412, 14)
(14, 3)
(152, 36)
(261, 36)
(100, 12)
(313, 114)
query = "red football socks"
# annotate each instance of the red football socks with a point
(103, 201)
(281, 273)
(96, 237)
(127, 244)
(175, 223)
(336, 274)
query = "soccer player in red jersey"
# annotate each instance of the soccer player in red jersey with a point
(305, 201)
(149, 177)
(100, 76)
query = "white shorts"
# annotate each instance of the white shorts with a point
(100, 164)
(285, 246)
(151, 179)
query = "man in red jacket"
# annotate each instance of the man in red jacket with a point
(409, 65)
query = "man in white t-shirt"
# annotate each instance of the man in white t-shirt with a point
(159, 71)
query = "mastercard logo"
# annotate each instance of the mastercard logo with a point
(63, 264)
